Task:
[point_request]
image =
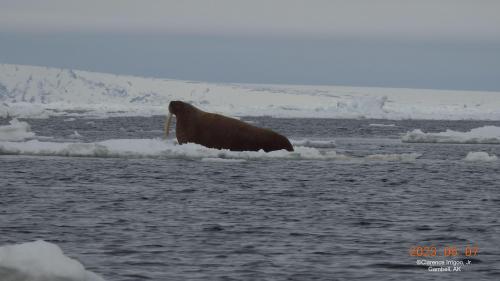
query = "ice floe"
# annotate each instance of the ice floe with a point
(165, 149)
(75, 135)
(223, 160)
(484, 135)
(41, 261)
(16, 131)
(381, 125)
(154, 148)
(314, 143)
(480, 156)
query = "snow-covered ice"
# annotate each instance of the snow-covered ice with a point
(154, 148)
(161, 149)
(480, 156)
(16, 131)
(484, 135)
(381, 125)
(40, 261)
(314, 143)
(39, 92)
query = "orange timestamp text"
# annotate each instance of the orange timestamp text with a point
(447, 251)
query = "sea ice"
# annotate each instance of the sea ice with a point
(164, 149)
(381, 125)
(16, 131)
(80, 93)
(154, 148)
(485, 135)
(314, 143)
(480, 156)
(41, 261)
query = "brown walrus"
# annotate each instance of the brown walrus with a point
(221, 132)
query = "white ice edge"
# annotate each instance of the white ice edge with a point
(161, 149)
(314, 143)
(39, 92)
(480, 156)
(481, 135)
(381, 125)
(41, 261)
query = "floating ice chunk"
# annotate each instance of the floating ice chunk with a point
(75, 135)
(314, 143)
(16, 131)
(403, 157)
(164, 149)
(41, 261)
(486, 135)
(155, 148)
(223, 160)
(480, 156)
(381, 125)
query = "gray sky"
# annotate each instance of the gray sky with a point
(452, 44)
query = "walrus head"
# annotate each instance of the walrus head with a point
(176, 108)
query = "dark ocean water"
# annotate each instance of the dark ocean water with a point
(268, 219)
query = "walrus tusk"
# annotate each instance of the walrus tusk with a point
(167, 124)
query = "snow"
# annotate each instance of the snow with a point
(16, 131)
(39, 92)
(480, 156)
(485, 135)
(41, 261)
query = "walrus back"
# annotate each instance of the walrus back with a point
(221, 132)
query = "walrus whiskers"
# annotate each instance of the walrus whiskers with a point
(167, 124)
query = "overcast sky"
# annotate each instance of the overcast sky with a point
(452, 44)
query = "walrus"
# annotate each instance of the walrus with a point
(221, 132)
